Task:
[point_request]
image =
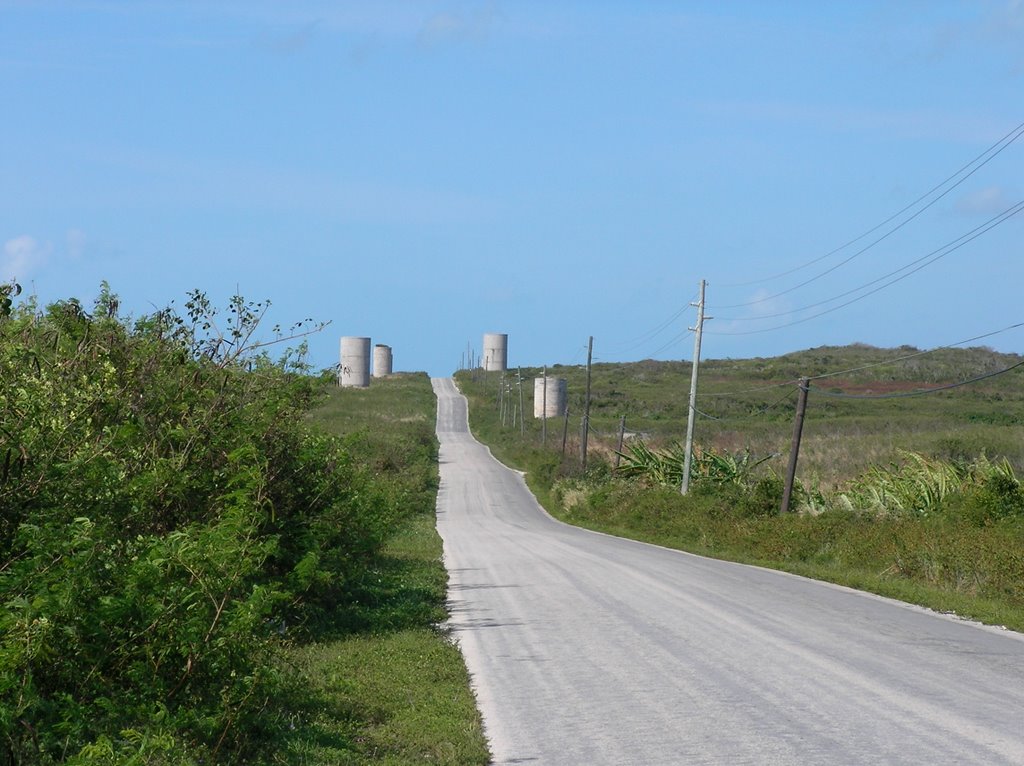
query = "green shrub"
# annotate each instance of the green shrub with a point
(998, 497)
(764, 498)
(168, 520)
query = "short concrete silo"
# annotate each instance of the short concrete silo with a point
(495, 351)
(355, 362)
(550, 404)
(382, 361)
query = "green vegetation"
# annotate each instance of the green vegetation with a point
(666, 466)
(915, 497)
(193, 572)
(393, 687)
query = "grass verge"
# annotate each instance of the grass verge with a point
(386, 684)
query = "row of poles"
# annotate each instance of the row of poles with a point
(798, 425)
(505, 395)
(510, 410)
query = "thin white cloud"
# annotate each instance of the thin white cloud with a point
(362, 49)
(1006, 27)
(76, 243)
(905, 123)
(21, 257)
(294, 41)
(997, 26)
(217, 185)
(764, 304)
(991, 200)
(458, 27)
(764, 309)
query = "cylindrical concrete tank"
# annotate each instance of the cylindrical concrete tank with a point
(381, 361)
(552, 404)
(495, 351)
(355, 362)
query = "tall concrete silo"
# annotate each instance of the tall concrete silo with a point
(382, 361)
(550, 404)
(355, 362)
(495, 351)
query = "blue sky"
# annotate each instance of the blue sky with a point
(425, 172)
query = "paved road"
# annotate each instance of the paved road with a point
(588, 649)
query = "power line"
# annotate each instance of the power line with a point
(880, 363)
(755, 413)
(929, 259)
(672, 342)
(976, 232)
(766, 387)
(642, 339)
(915, 355)
(706, 416)
(947, 387)
(996, 149)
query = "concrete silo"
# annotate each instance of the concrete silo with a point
(552, 403)
(355, 362)
(382, 361)
(495, 352)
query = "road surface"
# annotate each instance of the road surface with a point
(588, 649)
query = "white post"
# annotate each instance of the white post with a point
(692, 415)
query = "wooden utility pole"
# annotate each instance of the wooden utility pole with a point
(692, 413)
(794, 452)
(510, 414)
(501, 398)
(586, 407)
(522, 412)
(544, 408)
(622, 434)
(565, 432)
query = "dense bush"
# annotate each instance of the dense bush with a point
(166, 520)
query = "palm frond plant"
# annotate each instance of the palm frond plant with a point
(666, 466)
(919, 485)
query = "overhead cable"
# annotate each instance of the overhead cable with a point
(642, 339)
(672, 342)
(881, 363)
(914, 355)
(928, 259)
(922, 392)
(759, 411)
(972, 234)
(981, 160)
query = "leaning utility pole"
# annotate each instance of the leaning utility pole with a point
(565, 431)
(794, 451)
(586, 407)
(501, 398)
(622, 434)
(692, 414)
